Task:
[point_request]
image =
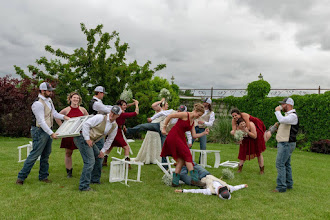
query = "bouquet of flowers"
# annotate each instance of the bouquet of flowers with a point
(164, 93)
(167, 180)
(227, 174)
(239, 135)
(126, 95)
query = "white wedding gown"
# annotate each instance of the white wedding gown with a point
(151, 147)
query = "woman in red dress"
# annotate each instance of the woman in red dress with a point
(262, 137)
(74, 110)
(119, 140)
(176, 146)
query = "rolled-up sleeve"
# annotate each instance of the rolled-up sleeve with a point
(290, 119)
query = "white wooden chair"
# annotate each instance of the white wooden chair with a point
(28, 150)
(203, 160)
(119, 170)
(168, 163)
(231, 164)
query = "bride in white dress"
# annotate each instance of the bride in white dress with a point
(151, 147)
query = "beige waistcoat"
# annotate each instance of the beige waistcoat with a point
(48, 114)
(96, 133)
(203, 118)
(208, 180)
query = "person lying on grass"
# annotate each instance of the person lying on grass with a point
(214, 186)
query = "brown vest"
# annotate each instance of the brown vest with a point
(97, 132)
(48, 114)
(205, 117)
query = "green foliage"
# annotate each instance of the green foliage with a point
(258, 89)
(227, 174)
(220, 131)
(101, 62)
(313, 112)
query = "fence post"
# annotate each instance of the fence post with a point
(211, 92)
(319, 90)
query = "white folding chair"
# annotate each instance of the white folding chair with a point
(119, 170)
(28, 150)
(231, 164)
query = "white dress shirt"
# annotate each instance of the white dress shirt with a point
(290, 118)
(216, 185)
(100, 107)
(94, 121)
(211, 120)
(38, 110)
(162, 113)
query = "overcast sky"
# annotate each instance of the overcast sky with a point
(204, 43)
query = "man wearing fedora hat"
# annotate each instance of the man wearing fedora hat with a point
(286, 143)
(92, 146)
(43, 114)
(96, 105)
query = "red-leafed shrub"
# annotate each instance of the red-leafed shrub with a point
(321, 146)
(16, 97)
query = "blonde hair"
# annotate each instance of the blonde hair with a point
(72, 94)
(198, 107)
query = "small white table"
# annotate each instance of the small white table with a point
(203, 161)
(119, 170)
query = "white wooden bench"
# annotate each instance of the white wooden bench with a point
(203, 160)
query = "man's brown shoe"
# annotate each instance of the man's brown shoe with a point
(46, 181)
(19, 182)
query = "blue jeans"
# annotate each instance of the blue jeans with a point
(144, 127)
(42, 146)
(149, 127)
(202, 140)
(283, 165)
(202, 172)
(92, 163)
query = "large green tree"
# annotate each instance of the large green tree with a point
(101, 62)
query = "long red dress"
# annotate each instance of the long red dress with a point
(175, 144)
(68, 142)
(119, 139)
(251, 148)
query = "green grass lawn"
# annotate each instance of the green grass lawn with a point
(151, 199)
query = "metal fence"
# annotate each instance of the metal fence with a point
(221, 93)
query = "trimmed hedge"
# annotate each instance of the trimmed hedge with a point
(313, 112)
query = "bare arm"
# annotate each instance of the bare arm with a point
(136, 103)
(83, 110)
(194, 135)
(233, 126)
(64, 111)
(155, 106)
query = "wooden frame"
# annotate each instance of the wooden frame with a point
(72, 127)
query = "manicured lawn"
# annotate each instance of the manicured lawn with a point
(151, 199)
